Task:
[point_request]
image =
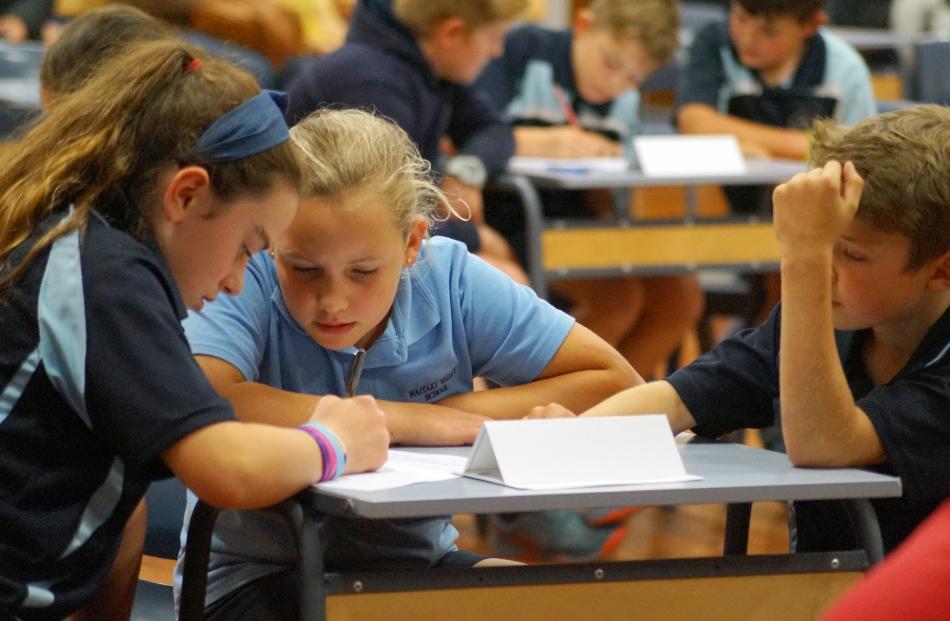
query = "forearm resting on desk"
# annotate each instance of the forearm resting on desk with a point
(654, 398)
(775, 141)
(408, 423)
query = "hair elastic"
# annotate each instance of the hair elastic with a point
(252, 127)
(331, 449)
(193, 66)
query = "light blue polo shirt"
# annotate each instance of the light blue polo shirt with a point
(454, 318)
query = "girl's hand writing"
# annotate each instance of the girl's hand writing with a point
(360, 425)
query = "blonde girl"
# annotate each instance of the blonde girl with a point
(355, 272)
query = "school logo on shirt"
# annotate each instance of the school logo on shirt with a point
(432, 390)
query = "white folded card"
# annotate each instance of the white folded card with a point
(577, 452)
(689, 156)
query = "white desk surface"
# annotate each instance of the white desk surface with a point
(732, 473)
(760, 172)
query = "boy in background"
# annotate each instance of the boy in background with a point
(573, 94)
(767, 74)
(765, 77)
(859, 348)
(413, 61)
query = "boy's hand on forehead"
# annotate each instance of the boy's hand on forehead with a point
(812, 210)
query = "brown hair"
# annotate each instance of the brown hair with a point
(141, 114)
(652, 23)
(422, 16)
(801, 10)
(903, 157)
(349, 150)
(90, 40)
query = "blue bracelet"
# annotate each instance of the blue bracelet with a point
(331, 449)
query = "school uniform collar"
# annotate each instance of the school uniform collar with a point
(933, 350)
(115, 201)
(810, 72)
(564, 73)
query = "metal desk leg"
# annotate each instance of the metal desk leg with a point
(737, 529)
(869, 531)
(310, 543)
(691, 204)
(194, 582)
(534, 224)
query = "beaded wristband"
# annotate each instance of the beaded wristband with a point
(331, 449)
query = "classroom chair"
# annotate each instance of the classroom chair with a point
(166, 507)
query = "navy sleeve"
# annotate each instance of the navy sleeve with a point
(703, 76)
(477, 129)
(735, 385)
(144, 390)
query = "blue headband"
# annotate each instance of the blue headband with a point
(254, 126)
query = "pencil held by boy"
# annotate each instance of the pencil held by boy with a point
(141, 194)
(858, 352)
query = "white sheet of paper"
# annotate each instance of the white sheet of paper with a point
(401, 468)
(582, 166)
(689, 156)
(577, 452)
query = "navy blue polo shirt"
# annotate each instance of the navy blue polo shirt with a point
(736, 385)
(96, 380)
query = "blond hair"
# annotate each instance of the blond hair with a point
(422, 16)
(903, 157)
(354, 151)
(142, 112)
(652, 23)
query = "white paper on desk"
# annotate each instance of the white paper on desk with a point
(577, 452)
(401, 468)
(581, 166)
(689, 156)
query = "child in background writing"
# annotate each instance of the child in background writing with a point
(142, 193)
(593, 70)
(572, 94)
(355, 271)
